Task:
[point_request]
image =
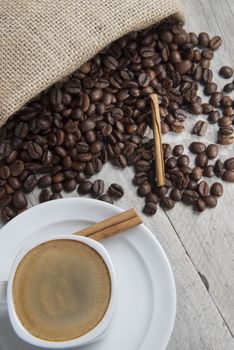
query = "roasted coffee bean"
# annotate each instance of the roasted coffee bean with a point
(161, 191)
(87, 125)
(98, 188)
(69, 185)
(200, 128)
(80, 177)
(197, 147)
(115, 190)
(85, 187)
(216, 189)
(226, 101)
(214, 117)
(215, 42)
(200, 205)
(6, 199)
(56, 195)
(228, 111)
(193, 38)
(21, 130)
(190, 197)
(164, 128)
(208, 171)
(14, 182)
(171, 163)
(196, 173)
(207, 108)
(150, 208)
(216, 98)
(58, 187)
(82, 147)
(226, 131)
(178, 179)
(177, 127)
(218, 168)
(19, 200)
(192, 185)
(210, 88)
(178, 150)
(84, 157)
(228, 176)
(16, 168)
(30, 183)
(139, 178)
(95, 96)
(5, 172)
(203, 39)
(195, 108)
(212, 151)
(34, 150)
(44, 195)
(226, 72)
(55, 96)
(176, 194)
(7, 214)
(96, 147)
(207, 53)
(183, 67)
(9, 189)
(228, 88)
(12, 156)
(183, 160)
(111, 62)
(210, 201)
(186, 170)
(203, 189)
(229, 164)
(44, 181)
(225, 121)
(225, 136)
(144, 189)
(106, 198)
(5, 149)
(152, 197)
(201, 160)
(142, 166)
(167, 203)
(58, 177)
(143, 80)
(166, 150)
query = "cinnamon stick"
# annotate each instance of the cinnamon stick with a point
(156, 123)
(111, 226)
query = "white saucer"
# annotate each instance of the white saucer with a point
(146, 306)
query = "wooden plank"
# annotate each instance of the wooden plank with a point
(195, 243)
(209, 238)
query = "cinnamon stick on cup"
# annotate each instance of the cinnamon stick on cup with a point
(111, 226)
(156, 123)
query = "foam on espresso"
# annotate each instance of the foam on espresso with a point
(61, 290)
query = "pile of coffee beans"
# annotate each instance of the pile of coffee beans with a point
(102, 113)
(183, 183)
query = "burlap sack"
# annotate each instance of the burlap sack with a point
(43, 41)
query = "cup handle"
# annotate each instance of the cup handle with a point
(3, 292)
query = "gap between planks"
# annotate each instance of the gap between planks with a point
(199, 273)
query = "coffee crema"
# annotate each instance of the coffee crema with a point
(61, 290)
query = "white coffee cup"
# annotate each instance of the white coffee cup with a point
(94, 334)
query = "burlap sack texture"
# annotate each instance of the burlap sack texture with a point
(43, 41)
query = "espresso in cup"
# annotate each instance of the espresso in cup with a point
(61, 290)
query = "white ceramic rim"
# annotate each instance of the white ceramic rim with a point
(94, 333)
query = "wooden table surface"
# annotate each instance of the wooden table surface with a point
(200, 247)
